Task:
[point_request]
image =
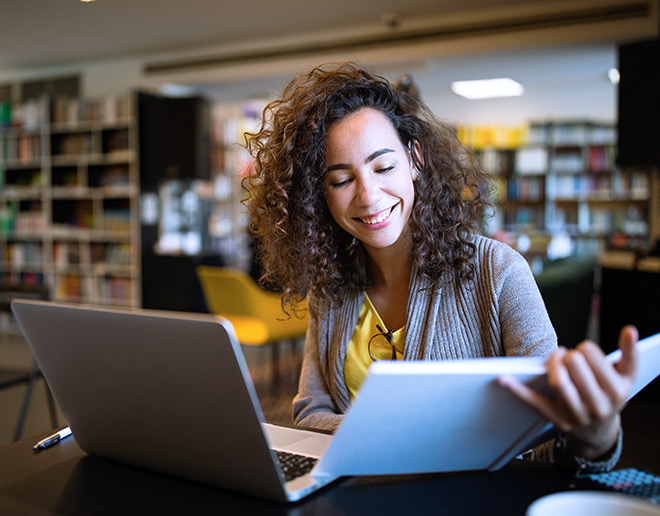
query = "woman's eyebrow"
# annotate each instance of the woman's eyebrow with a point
(338, 166)
(374, 155)
(368, 159)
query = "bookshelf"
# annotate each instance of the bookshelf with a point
(69, 198)
(589, 197)
(560, 178)
(230, 164)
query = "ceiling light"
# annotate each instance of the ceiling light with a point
(487, 88)
(613, 74)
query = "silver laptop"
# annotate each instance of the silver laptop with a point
(168, 392)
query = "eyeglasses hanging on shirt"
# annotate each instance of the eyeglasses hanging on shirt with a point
(381, 345)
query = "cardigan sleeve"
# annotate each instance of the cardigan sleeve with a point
(313, 405)
(525, 324)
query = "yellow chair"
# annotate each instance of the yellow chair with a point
(255, 313)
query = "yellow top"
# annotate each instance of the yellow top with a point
(357, 359)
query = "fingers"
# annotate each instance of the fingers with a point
(627, 365)
(568, 400)
(596, 384)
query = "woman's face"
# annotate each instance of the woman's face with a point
(369, 178)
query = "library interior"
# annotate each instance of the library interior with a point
(122, 131)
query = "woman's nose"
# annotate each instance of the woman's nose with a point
(367, 191)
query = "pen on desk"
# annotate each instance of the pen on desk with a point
(52, 439)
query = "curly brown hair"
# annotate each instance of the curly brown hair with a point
(302, 248)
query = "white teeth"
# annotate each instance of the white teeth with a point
(378, 219)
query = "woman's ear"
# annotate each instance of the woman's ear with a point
(416, 160)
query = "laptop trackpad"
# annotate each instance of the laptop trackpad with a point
(294, 440)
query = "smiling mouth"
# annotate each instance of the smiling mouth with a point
(378, 218)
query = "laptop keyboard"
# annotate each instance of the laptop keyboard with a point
(293, 465)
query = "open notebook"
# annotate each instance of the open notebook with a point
(172, 392)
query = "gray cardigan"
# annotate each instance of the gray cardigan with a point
(499, 313)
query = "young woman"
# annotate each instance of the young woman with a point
(369, 207)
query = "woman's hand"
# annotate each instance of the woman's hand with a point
(588, 393)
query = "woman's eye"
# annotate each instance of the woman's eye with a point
(384, 169)
(340, 183)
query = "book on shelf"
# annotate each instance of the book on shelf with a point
(601, 159)
(68, 287)
(65, 254)
(527, 188)
(531, 160)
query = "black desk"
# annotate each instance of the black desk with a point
(63, 480)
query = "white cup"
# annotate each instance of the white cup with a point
(591, 503)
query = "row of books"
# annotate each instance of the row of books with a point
(109, 176)
(108, 290)
(555, 134)
(66, 110)
(480, 137)
(84, 143)
(592, 224)
(628, 186)
(112, 254)
(21, 278)
(117, 220)
(69, 287)
(528, 188)
(523, 217)
(116, 289)
(539, 160)
(577, 134)
(28, 115)
(20, 254)
(598, 222)
(601, 158)
(25, 149)
(109, 109)
(75, 144)
(22, 149)
(28, 222)
(630, 222)
(65, 253)
(567, 163)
